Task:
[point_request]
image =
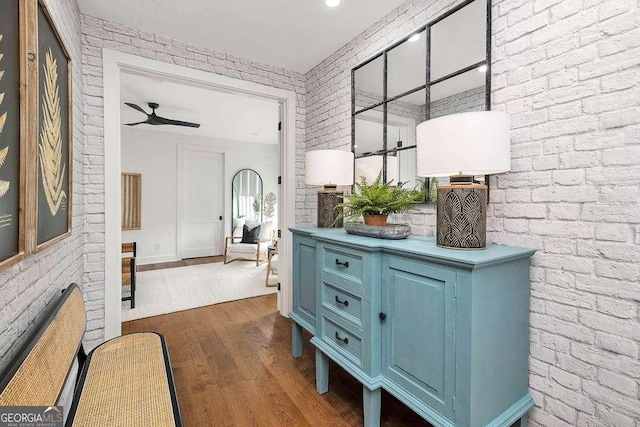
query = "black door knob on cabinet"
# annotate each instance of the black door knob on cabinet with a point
(382, 316)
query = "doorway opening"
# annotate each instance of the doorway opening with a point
(186, 179)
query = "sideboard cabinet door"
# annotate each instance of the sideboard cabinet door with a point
(418, 332)
(304, 280)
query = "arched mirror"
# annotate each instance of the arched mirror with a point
(246, 196)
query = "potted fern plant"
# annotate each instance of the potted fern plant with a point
(376, 201)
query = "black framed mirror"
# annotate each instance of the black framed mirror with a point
(441, 68)
(246, 196)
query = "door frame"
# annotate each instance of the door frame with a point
(113, 64)
(180, 149)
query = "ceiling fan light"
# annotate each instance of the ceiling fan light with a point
(332, 3)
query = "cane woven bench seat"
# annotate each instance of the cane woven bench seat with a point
(39, 379)
(124, 382)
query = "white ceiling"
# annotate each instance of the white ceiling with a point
(221, 115)
(456, 42)
(293, 34)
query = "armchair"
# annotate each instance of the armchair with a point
(246, 251)
(258, 252)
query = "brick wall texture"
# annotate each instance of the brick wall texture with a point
(27, 287)
(97, 35)
(568, 72)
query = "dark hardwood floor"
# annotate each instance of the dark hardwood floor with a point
(182, 263)
(233, 367)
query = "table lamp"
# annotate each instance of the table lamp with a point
(461, 146)
(329, 168)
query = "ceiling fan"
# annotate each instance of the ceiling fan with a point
(153, 119)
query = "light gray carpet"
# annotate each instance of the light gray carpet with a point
(176, 289)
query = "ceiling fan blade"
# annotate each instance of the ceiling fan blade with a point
(136, 107)
(157, 120)
(139, 123)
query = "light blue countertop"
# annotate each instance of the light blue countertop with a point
(424, 247)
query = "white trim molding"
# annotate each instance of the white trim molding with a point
(115, 63)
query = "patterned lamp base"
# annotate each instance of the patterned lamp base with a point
(462, 216)
(328, 199)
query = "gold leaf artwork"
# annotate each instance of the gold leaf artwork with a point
(50, 145)
(4, 152)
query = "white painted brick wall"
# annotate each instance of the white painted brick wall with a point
(98, 34)
(568, 72)
(27, 287)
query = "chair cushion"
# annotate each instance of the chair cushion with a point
(238, 226)
(244, 248)
(250, 235)
(265, 232)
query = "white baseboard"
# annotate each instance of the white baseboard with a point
(157, 259)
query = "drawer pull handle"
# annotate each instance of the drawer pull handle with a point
(345, 302)
(344, 264)
(344, 340)
(382, 316)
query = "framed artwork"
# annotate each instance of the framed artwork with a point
(54, 134)
(131, 201)
(13, 39)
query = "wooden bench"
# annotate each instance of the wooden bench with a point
(126, 381)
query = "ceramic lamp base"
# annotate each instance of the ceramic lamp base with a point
(462, 216)
(328, 199)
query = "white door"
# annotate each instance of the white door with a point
(200, 231)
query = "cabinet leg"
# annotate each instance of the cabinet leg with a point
(322, 372)
(296, 339)
(372, 402)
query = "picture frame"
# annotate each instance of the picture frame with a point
(131, 201)
(53, 133)
(14, 39)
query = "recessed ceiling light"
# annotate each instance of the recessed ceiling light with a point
(332, 3)
(482, 69)
(414, 37)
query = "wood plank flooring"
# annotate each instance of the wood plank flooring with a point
(233, 367)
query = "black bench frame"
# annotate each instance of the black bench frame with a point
(83, 359)
(45, 320)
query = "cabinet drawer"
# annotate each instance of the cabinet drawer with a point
(344, 342)
(344, 262)
(343, 303)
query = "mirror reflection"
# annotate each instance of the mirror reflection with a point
(460, 94)
(407, 65)
(454, 81)
(369, 133)
(246, 193)
(369, 84)
(459, 40)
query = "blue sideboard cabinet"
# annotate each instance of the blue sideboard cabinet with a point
(444, 331)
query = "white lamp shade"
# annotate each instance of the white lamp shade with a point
(329, 167)
(370, 167)
(476, 143)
